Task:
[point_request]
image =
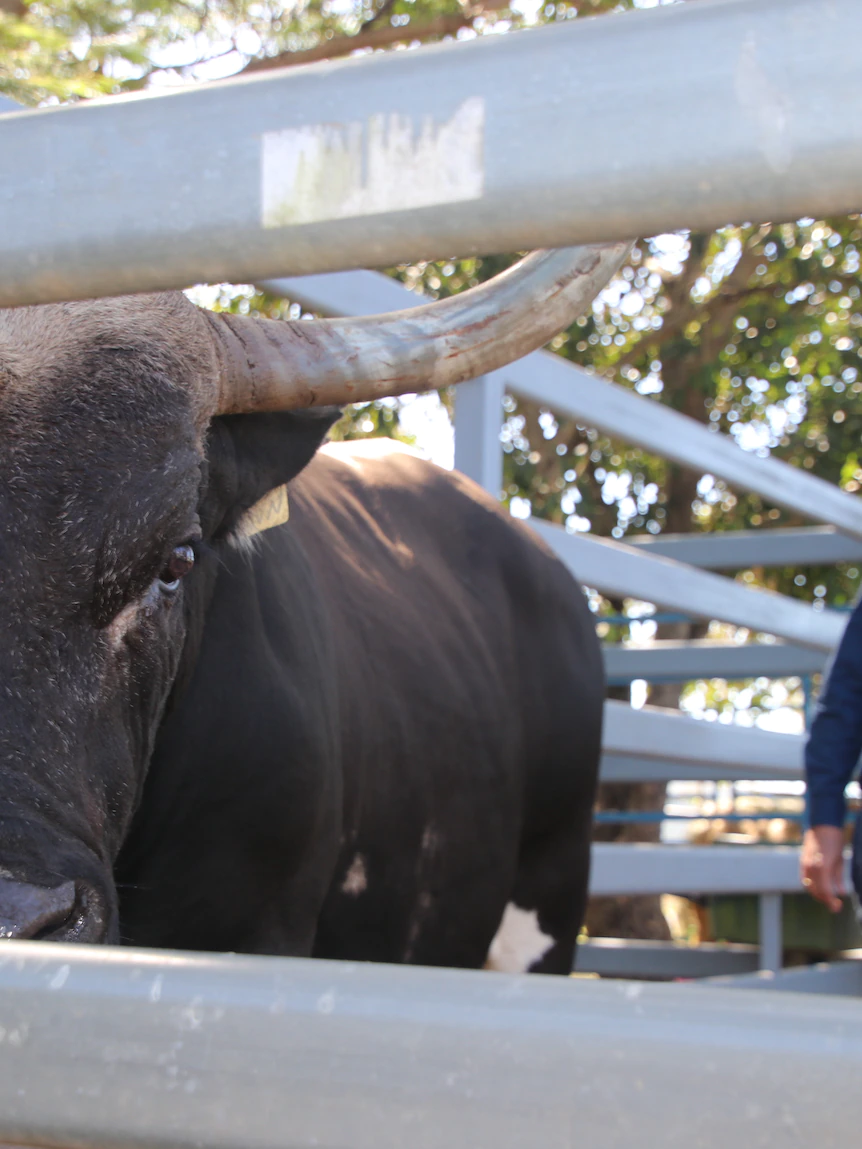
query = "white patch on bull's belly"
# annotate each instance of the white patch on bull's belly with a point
(519, 942)
(356, 880)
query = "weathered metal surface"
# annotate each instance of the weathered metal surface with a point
(672, 661)
(842, 977)
(114, 1049)
(372, 161)
(624, 571)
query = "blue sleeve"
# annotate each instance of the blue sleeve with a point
(835, 741)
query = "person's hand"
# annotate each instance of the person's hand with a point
(822, 865)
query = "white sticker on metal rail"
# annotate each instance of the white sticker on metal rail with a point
(385, 163)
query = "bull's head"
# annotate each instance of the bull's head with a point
(134, 435)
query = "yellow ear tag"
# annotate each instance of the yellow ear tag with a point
(270, 511)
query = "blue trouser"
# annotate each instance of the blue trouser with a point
(856, 864)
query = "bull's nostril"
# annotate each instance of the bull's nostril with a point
(29, 911)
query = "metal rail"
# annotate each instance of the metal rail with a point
(372, 161)
(618, 569)
(653, 733)
(636, 868)
(773, 547)
(620, 957)
(670, 661)
(118, 1049)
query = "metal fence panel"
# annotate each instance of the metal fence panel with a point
(142, 1050)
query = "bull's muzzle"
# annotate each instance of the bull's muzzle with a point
(68, 912)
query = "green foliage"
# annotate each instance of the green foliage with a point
(77, 49)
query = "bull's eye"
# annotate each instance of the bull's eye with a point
(177, 567)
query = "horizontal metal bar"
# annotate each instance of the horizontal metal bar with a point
(619, 570)
(636, 868)
(842, 978)
(735, 550)
(669, 661)
(405, 155)
(567, 389)
(635, 768)
(653, 733)
(621, 957)
(118, 1049)
(644, 817)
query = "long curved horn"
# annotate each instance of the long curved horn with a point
(271, 365)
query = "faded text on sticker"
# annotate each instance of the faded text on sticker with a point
(389, 162)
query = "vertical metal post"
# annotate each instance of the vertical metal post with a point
(771, 941)
(478, 417)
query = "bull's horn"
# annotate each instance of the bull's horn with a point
(270, 365)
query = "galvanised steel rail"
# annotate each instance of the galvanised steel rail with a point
(773, 547)
(690, 115)
(620, 570)
(124, 1049)
(647, 868)
(668, 660)
(669, 737)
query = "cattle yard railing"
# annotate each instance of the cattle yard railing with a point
(197, 185)
(115, 1049)
(123, 1048)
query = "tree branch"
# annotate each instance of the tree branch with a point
(384, 10)
(373, 38)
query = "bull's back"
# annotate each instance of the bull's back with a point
(454, 614)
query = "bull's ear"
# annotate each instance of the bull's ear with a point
(248, 456)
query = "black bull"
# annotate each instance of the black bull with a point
(370, 731)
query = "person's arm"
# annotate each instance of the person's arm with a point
(831, 754)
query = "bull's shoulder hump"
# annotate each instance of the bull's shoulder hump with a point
(380, 447)
(383, 462)
(379, 463)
